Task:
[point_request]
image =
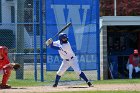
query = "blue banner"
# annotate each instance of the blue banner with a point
(82, 34)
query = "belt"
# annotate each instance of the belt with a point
(69, 59)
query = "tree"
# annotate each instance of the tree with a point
(124, 7)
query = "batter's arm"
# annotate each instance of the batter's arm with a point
(54, 47)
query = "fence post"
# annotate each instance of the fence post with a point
(20, 38)
(41, 41)
(35, 40)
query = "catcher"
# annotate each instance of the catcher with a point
(6, 67)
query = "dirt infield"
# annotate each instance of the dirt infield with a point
(98, 87)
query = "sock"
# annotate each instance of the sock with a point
(57, 79)
(83, 76)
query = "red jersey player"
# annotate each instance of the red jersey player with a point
(134, 63)
(5, 67)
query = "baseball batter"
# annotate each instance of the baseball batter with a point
(68, 56)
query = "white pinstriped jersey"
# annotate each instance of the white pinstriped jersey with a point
(65, 51)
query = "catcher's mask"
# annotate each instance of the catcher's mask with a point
(63, 38)
(3, 51)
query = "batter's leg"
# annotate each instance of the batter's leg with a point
(56, 80)
(76, 68)
(64, 66)
(74, 64)
(83, 76)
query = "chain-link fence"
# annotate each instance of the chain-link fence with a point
(24, 29)
(16, 33)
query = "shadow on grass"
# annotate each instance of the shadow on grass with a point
(18, 88)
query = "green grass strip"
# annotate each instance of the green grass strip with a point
(98, 92)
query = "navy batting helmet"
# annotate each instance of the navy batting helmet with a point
(63, 38)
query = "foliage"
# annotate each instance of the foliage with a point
(123, 7)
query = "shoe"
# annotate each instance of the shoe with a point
(89, 84)
(55, 85)
(5, 87)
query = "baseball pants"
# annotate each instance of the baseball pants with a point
(71, 63)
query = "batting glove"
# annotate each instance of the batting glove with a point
(49, 41)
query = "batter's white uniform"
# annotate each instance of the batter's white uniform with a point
(68, 56)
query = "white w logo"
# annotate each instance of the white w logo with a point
(74, 16)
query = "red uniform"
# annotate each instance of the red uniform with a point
(134, 58)
(4, 61)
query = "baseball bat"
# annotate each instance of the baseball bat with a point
(111, 72)
(63, 29)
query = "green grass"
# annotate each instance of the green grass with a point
(118, 81)
(49, 78)
(49, 75)
(99, 92)
(38, 83)
(29, 81)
